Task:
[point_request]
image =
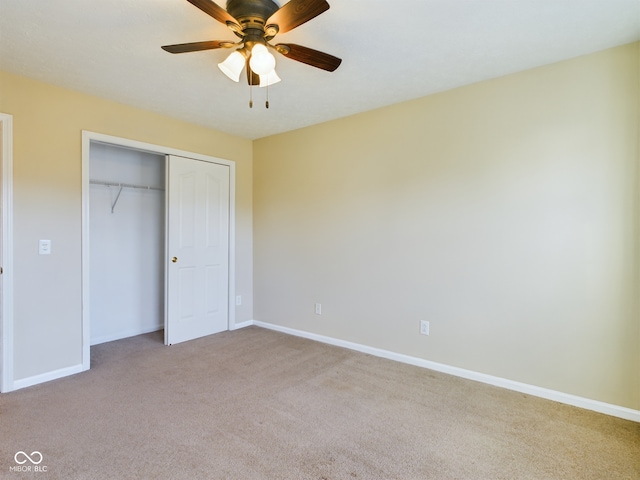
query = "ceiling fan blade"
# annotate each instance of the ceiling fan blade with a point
(296, 12)
(309, 56)
(214, 10)
(252, 78)
(196, 46)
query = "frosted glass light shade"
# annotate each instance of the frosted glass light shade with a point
(269, 79)
(232, 66)
(262, 62)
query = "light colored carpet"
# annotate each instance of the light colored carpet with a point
(257, 404)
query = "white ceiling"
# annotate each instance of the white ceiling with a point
(392, 51)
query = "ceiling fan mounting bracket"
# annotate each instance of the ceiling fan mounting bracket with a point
(283, 49)
(271, 31)
(235, 28)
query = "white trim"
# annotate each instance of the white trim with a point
(84, 250)
(87, 138)
(240, 325)
(586, 403)
(6, 323)
(48, 376)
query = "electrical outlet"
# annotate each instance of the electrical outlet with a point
(238, 300)
(318, 309)
(44, 247)
(424, 327)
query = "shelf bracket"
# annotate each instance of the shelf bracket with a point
(117, 197)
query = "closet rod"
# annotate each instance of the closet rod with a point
(121, 185)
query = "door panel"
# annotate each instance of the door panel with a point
(187, 209)
(198, 239)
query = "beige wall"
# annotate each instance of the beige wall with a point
(47, 125)
(505, 213)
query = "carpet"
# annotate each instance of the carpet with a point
(259, 404)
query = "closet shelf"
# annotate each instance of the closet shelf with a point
(121, 186)
(125, 185)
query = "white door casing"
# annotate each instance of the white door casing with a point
(87, 138)
(197, 249)
(6, 253)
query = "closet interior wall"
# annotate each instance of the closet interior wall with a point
(127, 242)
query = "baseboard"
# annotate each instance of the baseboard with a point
(240, 325)
(46, 377)
(125, 334)
(561, 397)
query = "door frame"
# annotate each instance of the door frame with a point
(87, 138)
(6, 255)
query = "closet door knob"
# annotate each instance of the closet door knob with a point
(174, 259)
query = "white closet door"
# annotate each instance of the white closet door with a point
(197, 249)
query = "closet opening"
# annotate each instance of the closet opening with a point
(127, 247)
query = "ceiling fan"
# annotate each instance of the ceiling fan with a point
(257, 22)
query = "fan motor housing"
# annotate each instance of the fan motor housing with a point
(251, 13)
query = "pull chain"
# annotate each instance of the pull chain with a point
(266, 104)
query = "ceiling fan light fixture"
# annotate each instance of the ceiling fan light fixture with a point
(262, 61)
(269, 79)
(233, 65)
(257, 22)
